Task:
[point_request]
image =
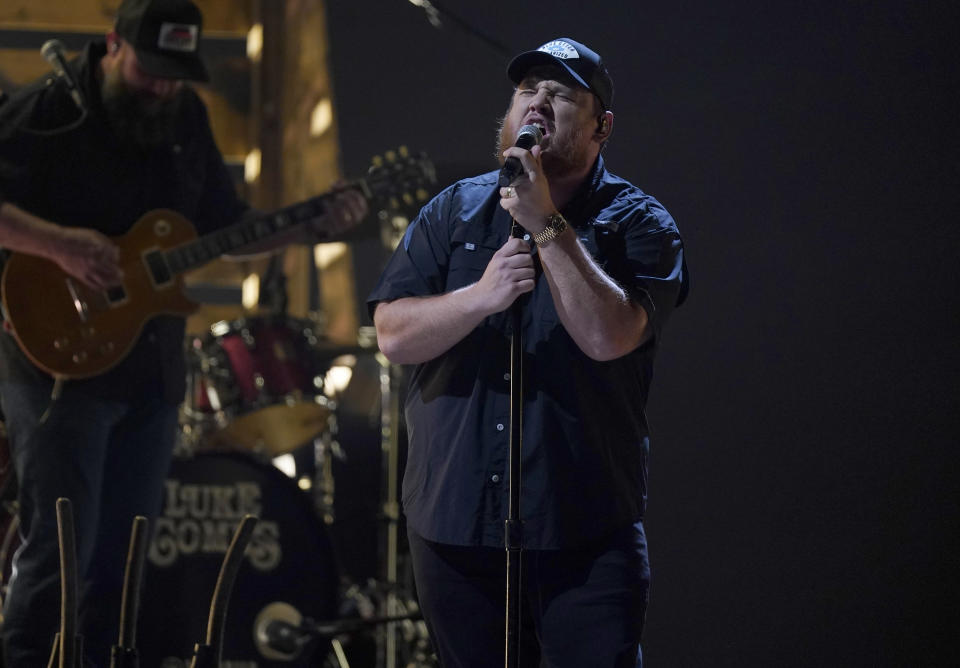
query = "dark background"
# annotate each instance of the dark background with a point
(804, 497)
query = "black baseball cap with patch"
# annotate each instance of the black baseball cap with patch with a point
(584, 65)
(166, 36)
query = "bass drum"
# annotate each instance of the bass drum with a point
(289, 564)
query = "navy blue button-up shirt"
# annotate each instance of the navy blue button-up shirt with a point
(585, 437)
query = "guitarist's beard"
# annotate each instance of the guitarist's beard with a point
(144, 120)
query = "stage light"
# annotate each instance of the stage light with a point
(255, 42)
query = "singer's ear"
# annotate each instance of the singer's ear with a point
(604, 125)
(113, 41)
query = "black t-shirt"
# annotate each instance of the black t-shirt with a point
(76, 172)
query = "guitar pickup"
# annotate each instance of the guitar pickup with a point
(157, 266)
(116, 294)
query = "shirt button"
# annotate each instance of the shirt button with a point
(495, 478)
(500, 427)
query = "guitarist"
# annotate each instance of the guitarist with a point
(75, 171)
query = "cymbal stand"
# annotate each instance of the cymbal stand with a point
(325, 449)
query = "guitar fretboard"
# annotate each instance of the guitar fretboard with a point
(211, 246)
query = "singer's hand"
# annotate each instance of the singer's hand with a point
(528, 198)
(87, 255)
(508, 275)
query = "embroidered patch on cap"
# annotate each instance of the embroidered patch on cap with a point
(559, 49)
(178, 37)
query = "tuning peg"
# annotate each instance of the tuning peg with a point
(404, 152)
(407, 199)
(422, 195)
(391, 156)
(394, 203)
(377, 161)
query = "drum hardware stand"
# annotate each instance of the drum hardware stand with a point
(390, 449)
(325, 449)
(273, 286)
(289, 639)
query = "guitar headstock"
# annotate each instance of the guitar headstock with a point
(400, 180)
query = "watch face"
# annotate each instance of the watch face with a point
(555, 225)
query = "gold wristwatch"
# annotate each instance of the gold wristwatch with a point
(556, 224)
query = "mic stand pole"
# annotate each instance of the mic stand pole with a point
(513, 530)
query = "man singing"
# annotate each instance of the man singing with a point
(598, 274)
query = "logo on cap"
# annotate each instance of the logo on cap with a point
(559, 49)
(178, 37)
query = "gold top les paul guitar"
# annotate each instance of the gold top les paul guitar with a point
(72, 331)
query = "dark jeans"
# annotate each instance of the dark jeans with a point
(110, 459)
(582, 607)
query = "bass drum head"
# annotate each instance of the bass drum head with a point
(290, 561)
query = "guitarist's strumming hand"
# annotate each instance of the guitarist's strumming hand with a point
(87, 255)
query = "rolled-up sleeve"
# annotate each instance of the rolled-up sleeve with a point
(418, 267)
(654, 272)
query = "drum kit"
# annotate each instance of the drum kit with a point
(260, 390)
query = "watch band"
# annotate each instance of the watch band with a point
(556, 224)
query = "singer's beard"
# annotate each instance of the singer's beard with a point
(139, 118)
(562, 153)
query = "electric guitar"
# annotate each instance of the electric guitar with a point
(73, 331)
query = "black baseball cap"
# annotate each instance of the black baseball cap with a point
(166, 36)
(583, 64)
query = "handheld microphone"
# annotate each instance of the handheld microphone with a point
(53, 52)
(528, 137)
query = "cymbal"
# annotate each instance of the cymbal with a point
(274, 430)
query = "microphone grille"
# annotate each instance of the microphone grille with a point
(52, 48)
(533, 131)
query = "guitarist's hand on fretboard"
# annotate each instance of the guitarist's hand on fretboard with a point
(345, 211)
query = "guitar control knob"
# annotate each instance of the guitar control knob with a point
(61, 343)
(79, 358)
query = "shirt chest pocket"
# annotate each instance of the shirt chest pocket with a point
(468, 261)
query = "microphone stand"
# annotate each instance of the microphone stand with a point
(513, 530)
(124, 653)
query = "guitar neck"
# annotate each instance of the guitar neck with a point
(252, 230)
